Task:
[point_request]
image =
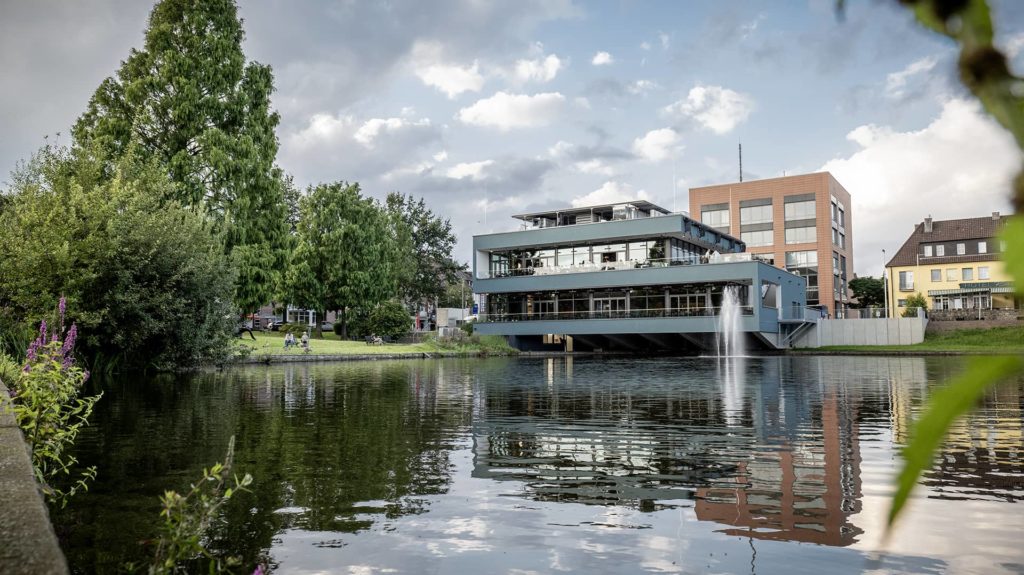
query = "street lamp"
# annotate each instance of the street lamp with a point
(885, 296)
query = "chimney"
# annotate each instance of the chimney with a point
(928, 224)
(995, 216)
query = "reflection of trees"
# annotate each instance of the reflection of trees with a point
(331, 448)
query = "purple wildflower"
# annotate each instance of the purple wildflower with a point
(69, 345)
(258, 571)
(42, 331)
(61, 307)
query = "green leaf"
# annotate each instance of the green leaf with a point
(941, 410)
(1013, 235)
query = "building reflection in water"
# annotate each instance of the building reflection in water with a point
(760, 446)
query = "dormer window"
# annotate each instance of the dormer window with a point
(927, 251)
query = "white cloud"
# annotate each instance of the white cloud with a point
(374, 128)
(452, 79)
(473, 170)
(507, 111)
(665, 40)
(602, 59)
(441, 156)
(538, 70)
(594, 166)
(896, 82)
(582, 102)
(715, 108)
(656, 145)
(641, 87)
(959, 166)
(645, 46)
(609, 193)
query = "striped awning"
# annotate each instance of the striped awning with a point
(973, 290)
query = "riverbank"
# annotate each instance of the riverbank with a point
(991, 341)
(269, 348)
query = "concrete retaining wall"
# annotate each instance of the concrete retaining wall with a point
(27, 542)
(829, 332)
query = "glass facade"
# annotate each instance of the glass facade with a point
(808, 235)
(800, 211)
(639, 253)
(805, 265)
(715, 218)
(756, 215)
(758, 239)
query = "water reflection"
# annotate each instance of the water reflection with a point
(599, 465)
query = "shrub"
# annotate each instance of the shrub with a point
(913, 303)
(390, 319)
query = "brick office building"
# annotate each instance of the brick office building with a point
(802, 224)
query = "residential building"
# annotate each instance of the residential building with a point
(803, 224)
(626, 276)
(954, 264)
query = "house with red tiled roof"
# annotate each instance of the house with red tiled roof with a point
(954, 264)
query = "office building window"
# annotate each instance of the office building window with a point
(805, 265)
(835, 216)
(756, 215)
(757, 239)
(835, 237)
(801, 235)
(952, 275)
(982, 247)
(967, 274)
(927, 251)
(906, 281)
(842, 240)
(940, 250)
(715, 218)
(961, 249)
(936, 275)
(800, 211)
(983, 272)
(842, 217)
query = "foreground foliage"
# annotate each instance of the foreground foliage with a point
(187, 518)
(48, 408)
(984, 70)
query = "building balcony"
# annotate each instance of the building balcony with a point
(608, 314)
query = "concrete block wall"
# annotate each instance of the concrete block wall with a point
(880, 331)
(29, 545)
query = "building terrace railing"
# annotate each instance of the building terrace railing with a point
(619, 265)
(609, 314)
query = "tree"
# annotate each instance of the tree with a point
(189, 100)
(426, 243)
(343, 257)
(148, 282)
(915, 302)
(868, 291)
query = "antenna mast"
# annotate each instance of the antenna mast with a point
(741, 161)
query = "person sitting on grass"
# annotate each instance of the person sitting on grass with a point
(289, 340)
(377, 340)
(305, 341)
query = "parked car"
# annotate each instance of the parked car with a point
(326, 326)
(274, 325)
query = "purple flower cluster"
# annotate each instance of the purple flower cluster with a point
(39, 346)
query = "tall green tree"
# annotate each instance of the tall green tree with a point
(344, 257)
(426, 243)
(189, 99)
(868, 291)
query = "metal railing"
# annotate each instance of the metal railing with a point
(587, 267)
(609, 314)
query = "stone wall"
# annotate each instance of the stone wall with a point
(993, 315)
(27, 542)
(830, 332)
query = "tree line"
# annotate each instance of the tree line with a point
(167, 217)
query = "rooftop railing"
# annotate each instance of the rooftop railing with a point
(587, 267)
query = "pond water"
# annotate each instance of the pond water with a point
(598, 465)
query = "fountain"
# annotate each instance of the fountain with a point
(729, 342)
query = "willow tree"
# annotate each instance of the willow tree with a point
(189, 100)
(344, 255)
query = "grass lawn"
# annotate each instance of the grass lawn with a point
(995, 340)
(272, 343)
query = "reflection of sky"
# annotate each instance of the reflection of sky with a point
(551, 510)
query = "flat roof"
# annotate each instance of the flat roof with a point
(641, 204)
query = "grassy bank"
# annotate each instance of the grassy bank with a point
(996, 340)
(272, 344)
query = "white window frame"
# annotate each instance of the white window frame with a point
(927, 251)
(982, 247)
(967, 274)
(983, 273)
(940, 250)
(961, 248)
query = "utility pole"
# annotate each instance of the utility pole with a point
(741, 161)
(885, 293)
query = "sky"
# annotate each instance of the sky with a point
(493, 108)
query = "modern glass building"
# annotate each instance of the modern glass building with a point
(629, 276)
